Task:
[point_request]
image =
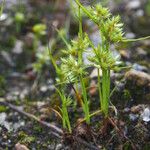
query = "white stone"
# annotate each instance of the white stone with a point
(134, 4)
(146, 115)
(3, 17)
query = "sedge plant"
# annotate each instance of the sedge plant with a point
(66, 101)
(103, 59)
(72, 70)
(111, 32)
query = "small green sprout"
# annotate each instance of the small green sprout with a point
(42, 58)
(39, 30)
(19, 19)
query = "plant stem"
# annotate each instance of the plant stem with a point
(63, 114)
(86, 11)
(35, 42)
(80, 23)
(49, 48)
(64, 111)
(2, 7)
(62, 37)
(99, 89)
(80, 34)
(105, 91)
(91, 115)
(85, 101)
(135, 40)
(67, 118)
(18, 27)
(85, 105)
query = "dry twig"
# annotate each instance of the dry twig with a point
(55, 130)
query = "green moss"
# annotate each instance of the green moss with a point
(126, 94)
(25, 139)
(3, 109)
(146, 147)
(37, 128)
(127, 146)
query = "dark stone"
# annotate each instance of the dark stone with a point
(138, 83)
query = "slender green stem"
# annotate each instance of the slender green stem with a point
(85, 101)
(80, 34)
(105, 91)
(67, 119)
(135, 40)
(52, 58)
(86, 11)
(65, 116)
(2, 7)
(62, 37)
(53, 61)
(80, 22)
(18, 27)
(99, 89)
(108, 90)
(35, 42)
(93, 114)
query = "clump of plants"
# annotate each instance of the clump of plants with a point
(72, 70)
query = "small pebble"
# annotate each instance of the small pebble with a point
(139, 67)
(3, 17)
(59, 147)
(146, 115)
(126, 110)
(136, 109)
(133, 117)
(133, 4)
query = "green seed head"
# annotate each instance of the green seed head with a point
(19, 17)
(39, 29)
